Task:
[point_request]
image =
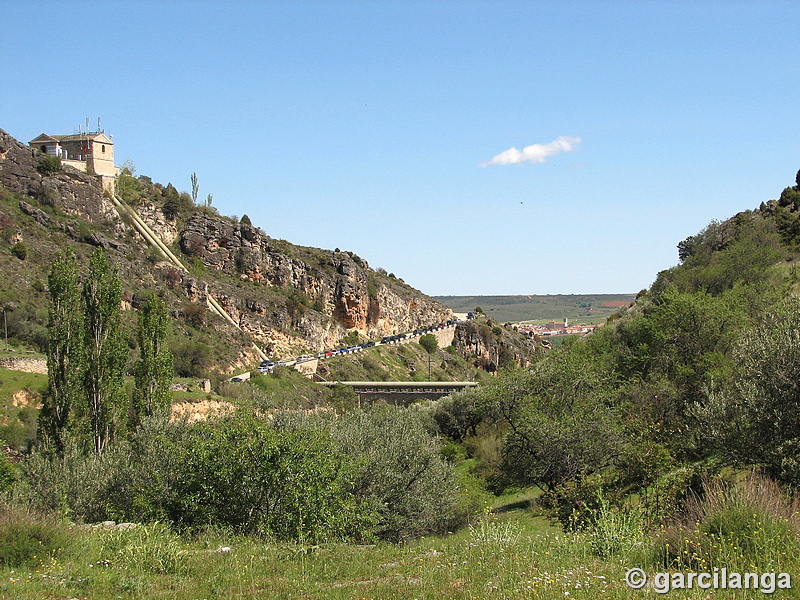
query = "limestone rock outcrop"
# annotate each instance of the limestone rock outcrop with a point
(325, 293)
(288, 299)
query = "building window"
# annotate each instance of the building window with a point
(104, 148)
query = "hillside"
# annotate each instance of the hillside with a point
(667, 438)
(287, 299)
(695, 381)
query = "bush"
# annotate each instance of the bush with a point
(192, 359)
(429, 343)
(77, 485)
(8, 473)
(239, 472)
(49, 165)
(194, 313)
(399, 471)
(458, 415)
(20, 250)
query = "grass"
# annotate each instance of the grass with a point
(514, 557)
(18, 423)
(13, 381)
(511, 555)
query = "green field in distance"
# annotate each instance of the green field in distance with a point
(585, 308)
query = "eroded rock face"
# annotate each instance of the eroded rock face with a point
(286, 298)
(155, 219)
(492, 347)
(316, 284)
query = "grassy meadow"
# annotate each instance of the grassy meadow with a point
(513, 555)
(504, 554)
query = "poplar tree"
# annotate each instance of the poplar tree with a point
(153, 371)
(195, 188)
(105, 349)
(65, 349)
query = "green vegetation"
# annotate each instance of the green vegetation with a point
(666, 440)
(402, 362)
(104, 347)
(49, 165)
(20, 250)
(19, 395)
(65, 353)
(154, 369)
(429, 343)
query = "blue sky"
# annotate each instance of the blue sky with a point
(468, 147)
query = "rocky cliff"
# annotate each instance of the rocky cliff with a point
(289, 299)
(492, 346)
(325, 294)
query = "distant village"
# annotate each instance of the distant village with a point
(564, 328)
(556, 328)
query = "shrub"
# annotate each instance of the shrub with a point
(429, 343)
(194, 313)
(8, 473)
(458, 415)
(49, 165)
(20, 250)
(399, 471)
(77, 485)
(192, 359)
(741, 526)
(239, 472)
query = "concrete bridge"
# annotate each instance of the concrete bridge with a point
(402, 393)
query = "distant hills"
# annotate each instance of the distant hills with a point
(588, 308)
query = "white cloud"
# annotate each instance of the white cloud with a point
(535, 153)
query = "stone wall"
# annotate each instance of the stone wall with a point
(26, 364)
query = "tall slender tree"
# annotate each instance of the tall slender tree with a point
(195, 188)
(65, 349)
(153, 371)
(105, 350)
